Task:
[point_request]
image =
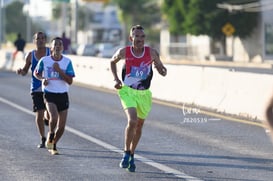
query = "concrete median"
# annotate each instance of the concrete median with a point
(223, 90)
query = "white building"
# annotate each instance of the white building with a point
(104, 26)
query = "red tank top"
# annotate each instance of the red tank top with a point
(137, 71)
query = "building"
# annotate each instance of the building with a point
(103, 26)
(257, 48)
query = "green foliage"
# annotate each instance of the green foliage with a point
(11, 37)
(175, 11)
(139, 12)
(56, 11)
(203, 17)
(82, 14)
(15, 19)
(143, 12)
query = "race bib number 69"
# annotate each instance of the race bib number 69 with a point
(139, 72)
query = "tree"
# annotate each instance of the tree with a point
(82, 15)
(175, 12)
(16, 21)
(143, 12)
(200, 17)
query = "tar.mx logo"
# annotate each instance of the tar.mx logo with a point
(190, 110)
(195, 115)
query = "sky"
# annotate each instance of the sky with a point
(40, 8)
(36, 7)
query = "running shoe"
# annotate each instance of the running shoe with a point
(54, 151)
(124, 163)
(132, 166)
(42, 144)
(49, 142)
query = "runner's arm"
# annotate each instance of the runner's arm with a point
(23, 71)
(157, 62)
(120, 54)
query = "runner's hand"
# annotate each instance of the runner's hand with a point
(118, 84)
(19, 71)
(45, 82)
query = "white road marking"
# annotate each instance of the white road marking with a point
(107, 146)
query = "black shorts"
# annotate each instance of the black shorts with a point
(38, 101)
(61, 100)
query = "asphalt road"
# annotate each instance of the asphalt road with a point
(178, 143)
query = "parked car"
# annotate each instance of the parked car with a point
(106, 50)
(87, 50)
(74, 48)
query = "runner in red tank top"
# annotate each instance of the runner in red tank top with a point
(134, 93)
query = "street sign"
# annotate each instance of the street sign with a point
(228, 29)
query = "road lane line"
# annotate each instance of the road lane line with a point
(107, 146)
(16, 106)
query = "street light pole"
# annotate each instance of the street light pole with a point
(26, 10)
(75, 21)
(64, 16)
(2, 22)
(28, 28)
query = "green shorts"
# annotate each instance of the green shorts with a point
(140, 99)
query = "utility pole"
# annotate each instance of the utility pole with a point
(2, 22)
(64, 16)
(28, 28)
(74, 22)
